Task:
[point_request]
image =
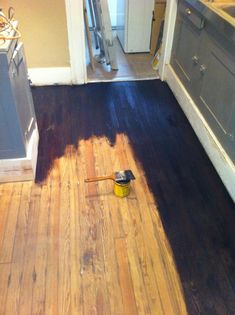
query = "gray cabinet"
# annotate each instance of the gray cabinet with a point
(187, 37)
(17, 117)
(217, 93)
(205, 63)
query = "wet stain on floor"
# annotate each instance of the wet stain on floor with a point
(197, 213)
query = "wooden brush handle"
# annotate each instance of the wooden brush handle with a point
(99, 178)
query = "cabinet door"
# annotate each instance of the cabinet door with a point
(11, 145)
(22, 93)
(185, 49)
(9, 135)
(217, 95)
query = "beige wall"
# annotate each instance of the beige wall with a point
(44, 31)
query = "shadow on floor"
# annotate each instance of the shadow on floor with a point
(197, 213)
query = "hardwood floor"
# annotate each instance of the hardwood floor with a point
(67, 247)
(135, 66)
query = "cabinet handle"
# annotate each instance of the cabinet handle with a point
(202, 69)
(188, 11)
(195, 59)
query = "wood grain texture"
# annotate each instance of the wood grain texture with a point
(67, 247)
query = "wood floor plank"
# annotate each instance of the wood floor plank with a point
(144, 258)
(51, 299)
(40, 263)
(28, 276)
(64, 281)
(75, 232)
(6, 196)
(6, 249)
(5, 278)
(95, 297)
(111, 227)
(19, 251)
(128, 296)
(140, 293)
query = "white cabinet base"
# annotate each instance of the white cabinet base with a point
(23, 169)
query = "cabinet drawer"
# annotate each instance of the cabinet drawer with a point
(191, 15)
(185, 50)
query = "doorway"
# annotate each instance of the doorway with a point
(134, 37)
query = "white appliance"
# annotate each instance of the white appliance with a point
(134, 22)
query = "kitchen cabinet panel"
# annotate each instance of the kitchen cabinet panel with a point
(17, 117)
(22, 93)
(204, 61)
(185, 53)
(218, 92)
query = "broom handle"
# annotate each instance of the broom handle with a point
(99, 178)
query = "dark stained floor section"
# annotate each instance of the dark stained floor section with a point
(197, 213)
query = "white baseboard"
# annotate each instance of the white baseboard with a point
(221, 161)
(123, 79)
(50, 76)
(22, 169)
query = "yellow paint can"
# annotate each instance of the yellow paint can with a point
(122, 189)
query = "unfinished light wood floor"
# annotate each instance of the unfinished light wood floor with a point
(72, 248)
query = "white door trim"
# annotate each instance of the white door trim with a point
(76, 39)
(168, 34)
